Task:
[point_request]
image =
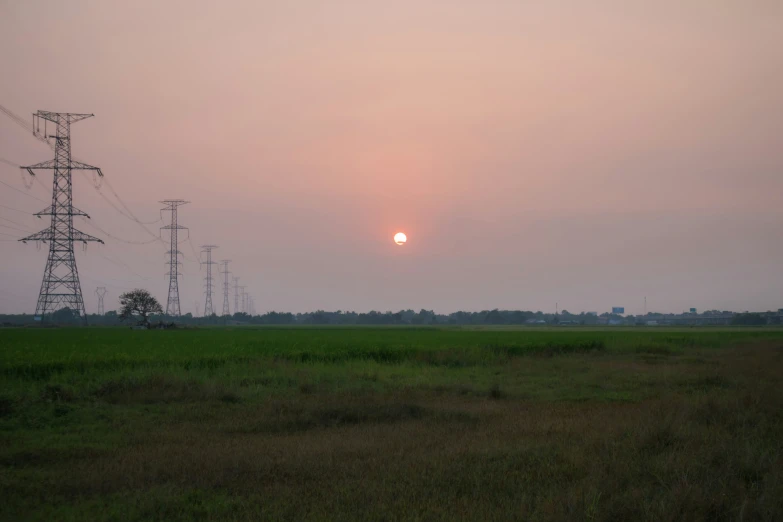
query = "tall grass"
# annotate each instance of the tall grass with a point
(382, 424)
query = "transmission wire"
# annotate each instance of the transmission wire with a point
(22, 192)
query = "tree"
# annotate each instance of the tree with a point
(494, 317)
(749, 320)
(64, 315)
(139, 303)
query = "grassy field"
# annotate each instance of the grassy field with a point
(391, 424)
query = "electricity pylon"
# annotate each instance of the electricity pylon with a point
(225, 272)
(208, 310)
(242, 299)
(100, 292)
(172, 305)
(236, 294)
(60, 287)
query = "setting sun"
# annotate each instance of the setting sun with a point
(400, 238)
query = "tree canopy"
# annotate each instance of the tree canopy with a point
(139, 303)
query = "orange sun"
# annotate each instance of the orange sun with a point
(400, 238)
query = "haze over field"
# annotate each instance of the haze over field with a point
(588, 153)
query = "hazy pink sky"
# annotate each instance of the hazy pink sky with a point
(587, 152)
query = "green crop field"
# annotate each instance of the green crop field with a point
(391, 424)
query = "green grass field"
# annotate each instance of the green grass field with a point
(391, 424)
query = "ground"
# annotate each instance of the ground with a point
(391, 424)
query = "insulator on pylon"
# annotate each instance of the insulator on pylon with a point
(27, 184)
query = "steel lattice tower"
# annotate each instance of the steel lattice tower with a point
(242, 299)
(224, 265)
(236, 294)
(60, 287)
(100, 292)
(208, 309)
(172, 305)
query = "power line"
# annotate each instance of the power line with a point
(40, 183)
(192, 248)
(31, 128)
(129, 215)
(197, 257)
(14, 228)
(123, 265)
(34, 178)
(60, 145)
(129, 269)
(22, 192)
(160, 217)
(28, 127)
(11, 163)
(16, 209)
(119, 210)
(119, 238)
(14, 222)
(118, 263)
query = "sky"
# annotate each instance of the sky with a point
(588, 153)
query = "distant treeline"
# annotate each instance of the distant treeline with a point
(411, 317)
(339, 317)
